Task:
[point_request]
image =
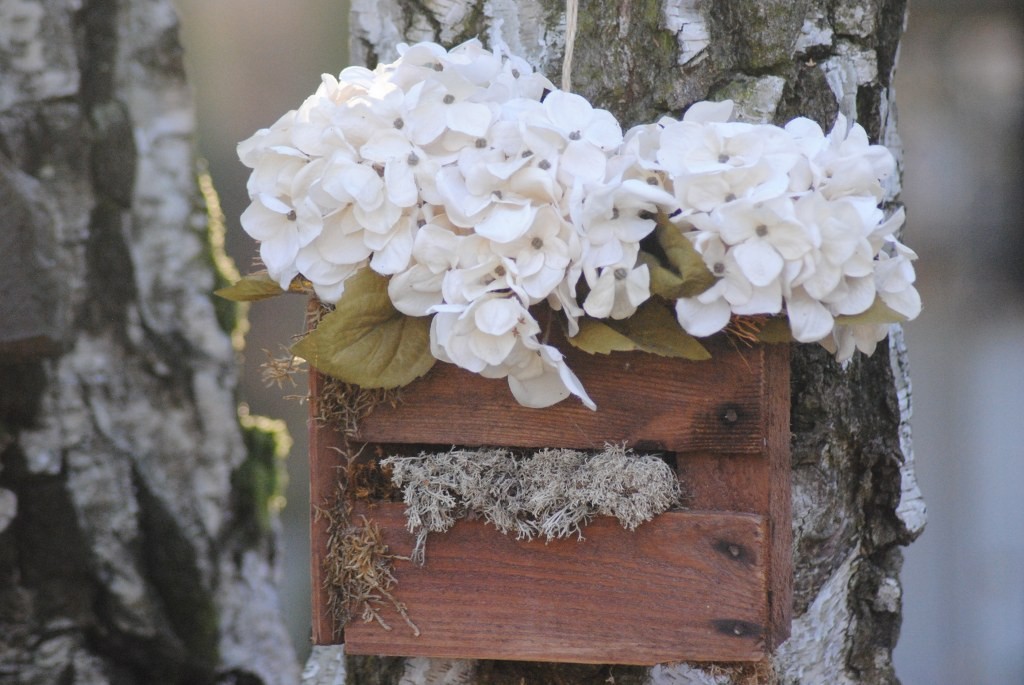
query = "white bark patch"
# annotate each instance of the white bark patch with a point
(169, 267)
(911, 510)
(850, 68)
(520, 26)
(376, 23)
(450, 14)
(683, 18)
(684, 674)
(37, 50)
(421, 671)
(815, 32)
(816, 649)
(251, 630)
(757, 99)
(888, 597)
(855, 19)
(325, 666)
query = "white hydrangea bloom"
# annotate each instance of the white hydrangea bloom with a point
(496, 337)
(482, 191)
(787, 218)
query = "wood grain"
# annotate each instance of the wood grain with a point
(668, 591)
(683, 586)
(324, 488)
(648, 401)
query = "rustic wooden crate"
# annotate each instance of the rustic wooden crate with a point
(711, 583)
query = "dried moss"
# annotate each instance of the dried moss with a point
(551, 494)
(358, 569)
(343, 405)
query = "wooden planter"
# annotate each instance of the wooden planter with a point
(711, 583)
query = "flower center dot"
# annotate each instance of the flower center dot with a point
(448, 99)
(544, 164)
(575, 135)
(480, 142)
(527, 153)
(723, 159)
(438, 66)
(730, 197)
(497, 194)
(615, 213)
(291, 216)
(515, 73)
(420, 223)
(652, 180)
(412, 159)
(620, 274)
(399, 123)
(536, 243)
(499, 271)
(645, 215)
(761, 230)
(718, 268)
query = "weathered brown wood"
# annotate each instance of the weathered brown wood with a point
(684, 586)
(779, 476)
(462, 596)
(716, 405)
(325, 458)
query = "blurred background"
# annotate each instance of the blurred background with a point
(960, 94)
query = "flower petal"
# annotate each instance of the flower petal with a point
(809, 320)
(506, 221)
(758, 261)
(702, 319)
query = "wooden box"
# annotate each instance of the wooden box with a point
(709, 583)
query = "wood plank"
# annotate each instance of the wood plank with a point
(651, 402)
(324, 488)
(686, 586)
(780, 516)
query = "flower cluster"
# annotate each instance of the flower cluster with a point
(787, 219)
(486, 195)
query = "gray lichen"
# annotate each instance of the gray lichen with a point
(551, 494)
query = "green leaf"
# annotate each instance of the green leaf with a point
(776, 330)
(597, 337)
(653, 328)
(664, 281)
(251, 288)
(684, 258)
(366, 341)
(878, 313)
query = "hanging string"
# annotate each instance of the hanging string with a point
(571, 12)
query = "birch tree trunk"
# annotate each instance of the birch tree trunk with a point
(855, 501)
(136, 543)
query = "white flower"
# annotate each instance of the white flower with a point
(282, 229)
(763, 236)
(846, 339)
(583, 134)
(809, 319)
(894, 279)
(482, 191)
(480, 336)
(851, 165)
(615, 217)
(496, 337)
(542, 254)
(617, 290)
(733, 293)
(544, 379)
(409, 171)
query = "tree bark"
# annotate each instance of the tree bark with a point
(136, 540)
(855, 501)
